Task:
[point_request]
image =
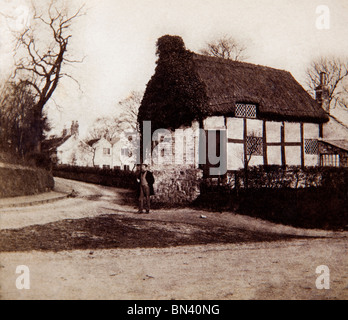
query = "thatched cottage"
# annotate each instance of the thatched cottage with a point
(258, 115)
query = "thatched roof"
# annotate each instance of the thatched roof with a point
(190, 86)
(276, 93)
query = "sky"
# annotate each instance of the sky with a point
(117, 39)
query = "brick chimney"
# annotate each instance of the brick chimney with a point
(322, 93)
(74, 129)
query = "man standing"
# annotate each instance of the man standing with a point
(146, 181)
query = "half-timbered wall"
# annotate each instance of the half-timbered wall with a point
(277, 143)
(280, 143)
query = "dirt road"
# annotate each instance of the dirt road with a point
(239, 269)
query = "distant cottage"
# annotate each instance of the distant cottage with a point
(261, 115)
(70, 149)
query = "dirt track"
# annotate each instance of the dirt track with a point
(241, 269)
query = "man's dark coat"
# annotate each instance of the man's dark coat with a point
(150, 180)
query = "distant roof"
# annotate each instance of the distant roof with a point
(92, 142)
(342, 144)
(277, 94)
(54, 143)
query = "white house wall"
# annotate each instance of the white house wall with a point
(284, 142)
(101, 159)
(117, 158)
(74, 152)
(180, 147)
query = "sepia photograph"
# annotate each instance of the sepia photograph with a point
(187, 152)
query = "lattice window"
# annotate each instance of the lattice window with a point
(311, 146)
(245, 110)
(254, 146)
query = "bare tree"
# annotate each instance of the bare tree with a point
(130, 106)
(41, 54)
(336, 70)
(104, 127)
(225, 47)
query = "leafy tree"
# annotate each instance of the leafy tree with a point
(18, 122)
(175, 95)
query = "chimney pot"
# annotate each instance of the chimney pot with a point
(323, 78)
(322, 93)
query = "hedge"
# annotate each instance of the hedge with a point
(320, 201)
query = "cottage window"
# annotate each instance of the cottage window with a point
(311, 146)
(330, 160)
(107, 151)
(254, 146)
(245, 111)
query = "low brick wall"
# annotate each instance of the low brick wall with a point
(176, 186)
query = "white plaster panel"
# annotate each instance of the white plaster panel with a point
(311, 130)
(273, 131)
(235, 156)
(274, 155)
(293, 156)
(235, 128)
(255, 127)
(256, 161)
(292, 132)
(212, 123)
